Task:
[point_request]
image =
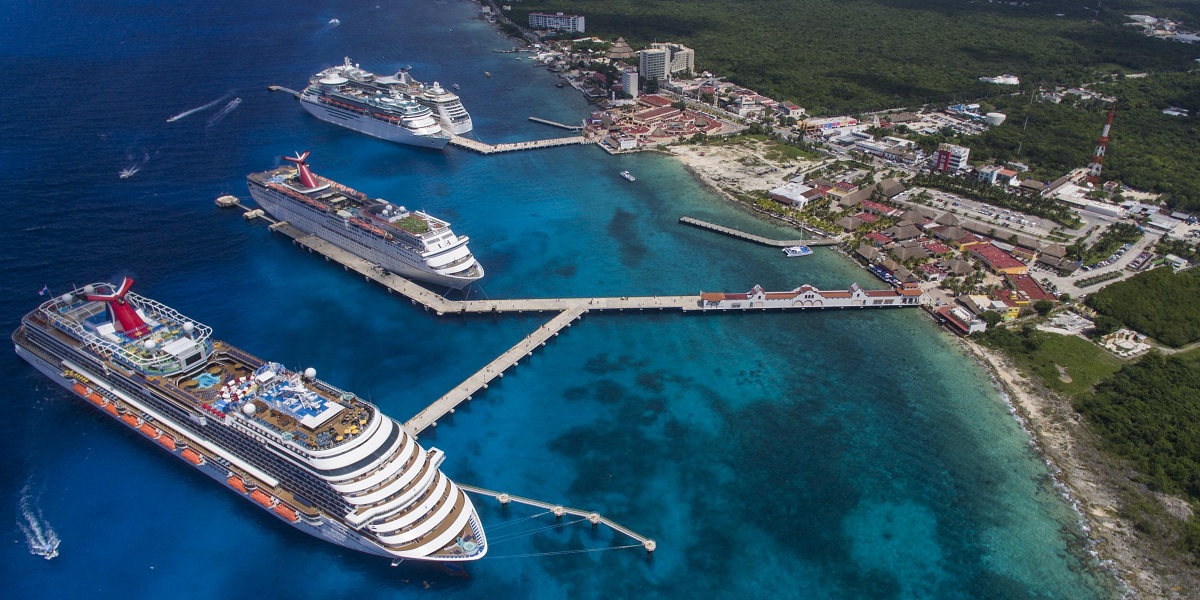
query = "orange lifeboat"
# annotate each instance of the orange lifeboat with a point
(80, 389)
(96, 399)
(149, 430)
(369, 227)
(286, 512)
(262, 498)
(130, 420)
(192, 456)
(236, 483)
(167, 441)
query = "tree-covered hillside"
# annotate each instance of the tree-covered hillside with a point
(873, 54)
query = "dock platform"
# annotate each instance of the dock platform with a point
(496, 368)
(556, 124)
(485, 148)
(758, 239)
(280, 88)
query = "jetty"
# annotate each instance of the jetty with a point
(485, 148)
(280, 88)
(758, 239)
(556, 124)
(559, 511)
(496, 368)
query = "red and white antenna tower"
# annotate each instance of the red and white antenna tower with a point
(1098, 160)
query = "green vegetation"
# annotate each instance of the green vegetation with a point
(1147, 150)
(1159, 303)
(1150, 412)
(413, 224)
(1110, 241)
(834, 57)
(1082, 363)
(1094, 279)
(1180, 248)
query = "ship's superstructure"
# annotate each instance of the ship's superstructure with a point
(319, 458)
(396, 108)
(410, 243)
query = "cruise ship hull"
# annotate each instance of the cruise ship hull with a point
(320, 527)
(372, 127)
(389, 256)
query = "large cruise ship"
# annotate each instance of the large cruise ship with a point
(410, 243)
(319, 458)
(396, 108)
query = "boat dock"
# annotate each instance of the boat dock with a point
(758, 239)
(556, 124)
(480, 380)
(558, 511)
(280, 88)
(485, 148)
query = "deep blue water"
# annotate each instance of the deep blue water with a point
(817, 455)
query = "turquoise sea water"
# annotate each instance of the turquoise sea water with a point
(815, 455)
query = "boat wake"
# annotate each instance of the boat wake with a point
(132, 169)
(39, 536)
(224, 111)
(193, 111)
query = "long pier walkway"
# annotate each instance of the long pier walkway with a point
(485, 148)
(280, 88)
(556, 124)
(496, 368)
(559, 511)
(758, 239)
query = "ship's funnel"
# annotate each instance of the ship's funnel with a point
(306, 177)
(124, 316)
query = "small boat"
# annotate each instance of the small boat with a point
(628, 175)
(559, 84)
(793, 251)
(334, 22)
(487, 73)
(455, 86)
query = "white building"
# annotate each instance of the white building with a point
(557, 21)
(629, 81)
(951, 158)
(653, 63)
(680, 59)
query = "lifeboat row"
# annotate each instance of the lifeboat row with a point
(142, 426)
(264, 499)
(371, 228)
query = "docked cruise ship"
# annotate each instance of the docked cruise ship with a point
(395, 108)
(319, 458)
(410, 243)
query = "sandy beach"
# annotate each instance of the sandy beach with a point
(1093, 482)
(744, 167)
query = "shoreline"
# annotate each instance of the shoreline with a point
(1089, 481)
(1076, 466)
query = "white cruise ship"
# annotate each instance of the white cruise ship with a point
(347, 96)
(446, 105)
(319, 458)
(361, 89)
(410, 243)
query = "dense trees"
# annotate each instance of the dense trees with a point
(853, 56)
(1159, 303)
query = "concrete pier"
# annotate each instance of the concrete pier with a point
(556, 124)
(559, 510)
(485, 148)
(758, 239)
(494, 369)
